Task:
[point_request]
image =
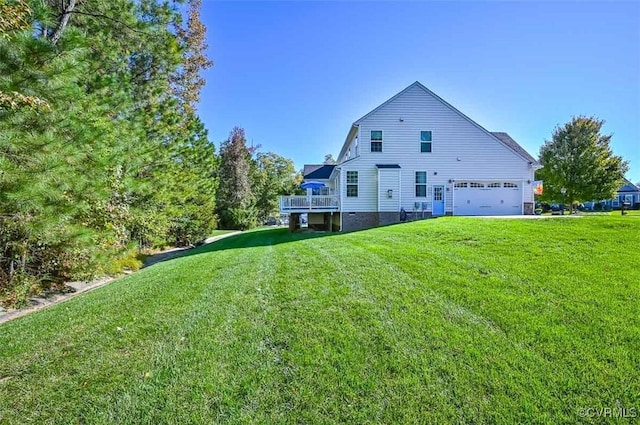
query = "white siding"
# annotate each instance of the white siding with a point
(367, 199)
(388, 180)
(454, 137)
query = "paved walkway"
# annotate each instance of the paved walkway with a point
(79, 288)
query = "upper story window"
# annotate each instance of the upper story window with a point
(421, 184)
(352, 184)
(376, 141)
(425, 141)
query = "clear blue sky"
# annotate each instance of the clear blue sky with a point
(296, 74)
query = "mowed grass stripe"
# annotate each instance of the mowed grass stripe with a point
(555, 320)
(225, 364)
(129, 369)
(452, 320)
(407, 340)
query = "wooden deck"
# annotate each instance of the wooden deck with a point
(309, 204)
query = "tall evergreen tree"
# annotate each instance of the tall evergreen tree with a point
(97, 149)
(235, 197)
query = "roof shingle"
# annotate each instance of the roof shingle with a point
(507, 140)
(317, 171)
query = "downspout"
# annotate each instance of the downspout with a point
(340, 188)
(522, 203)
(453, 199)
(378, 191)
(400, 188)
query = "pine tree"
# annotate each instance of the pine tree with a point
(235, 197)
(96, 148)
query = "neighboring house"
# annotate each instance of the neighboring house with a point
(417, 155)
(629, 193)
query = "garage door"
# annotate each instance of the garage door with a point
(487, 198)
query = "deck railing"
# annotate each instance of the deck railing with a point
(310, 203)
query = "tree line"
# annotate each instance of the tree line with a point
(102, 152)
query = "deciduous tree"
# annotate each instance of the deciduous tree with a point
(275, 175)
(579, 159)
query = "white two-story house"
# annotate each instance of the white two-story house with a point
(416, 156)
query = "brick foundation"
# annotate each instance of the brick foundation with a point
(367, 220)
(358, 221)
(385, 218)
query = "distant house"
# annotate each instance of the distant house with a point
(417, 156)
(628, 193)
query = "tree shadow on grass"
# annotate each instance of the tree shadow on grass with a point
(263, 237)
(250, 239)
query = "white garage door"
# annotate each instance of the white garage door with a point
(487, 198)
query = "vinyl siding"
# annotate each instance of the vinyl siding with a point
(367, 199)
(388, 180)
(453, 136)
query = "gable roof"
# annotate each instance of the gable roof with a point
(510, 143)
(629, 187)
(507, 140)
(352, 132)
(310, 168)
(317, 171)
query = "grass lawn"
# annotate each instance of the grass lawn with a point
(453, 320)
(219, 232)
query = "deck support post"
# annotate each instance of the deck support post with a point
(294, 222)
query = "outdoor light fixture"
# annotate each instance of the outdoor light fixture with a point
(390, 193)
(528, 181)
(435, 173)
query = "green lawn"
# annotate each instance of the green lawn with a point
(453, 320)
(219, 232)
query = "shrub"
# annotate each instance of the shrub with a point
(189, 229)
(147, 227)
(16, 294)
(129, 259)
(238, 218)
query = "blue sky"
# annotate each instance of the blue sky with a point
(296, 74)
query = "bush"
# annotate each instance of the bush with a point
(189, 229)
(148, 228)
(128, 259)
(238, 218)
(21, 287)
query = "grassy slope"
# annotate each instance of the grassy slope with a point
(447, 320)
